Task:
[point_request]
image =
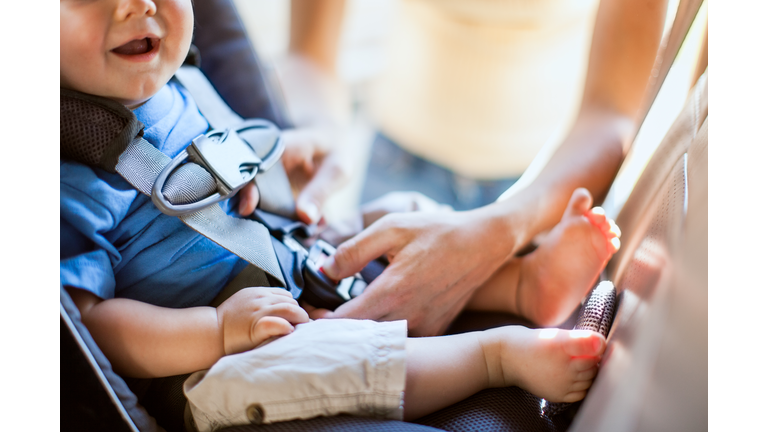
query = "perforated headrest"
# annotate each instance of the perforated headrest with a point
(95, 130)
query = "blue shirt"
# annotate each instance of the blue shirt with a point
(115, 243)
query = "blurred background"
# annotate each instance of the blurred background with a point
(362, 51)
(366, 41)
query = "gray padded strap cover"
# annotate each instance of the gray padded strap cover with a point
(141, 163)
(274, 189)
(99, 132)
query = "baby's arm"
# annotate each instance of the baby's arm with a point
(143, 340)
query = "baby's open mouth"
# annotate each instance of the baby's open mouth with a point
(137, 47)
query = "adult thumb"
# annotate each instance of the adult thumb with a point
(355, 253)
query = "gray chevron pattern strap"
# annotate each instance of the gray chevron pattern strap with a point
(274, 189)
(245, 238)
(141, 163)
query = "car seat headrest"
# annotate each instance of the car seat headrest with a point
(95, 130)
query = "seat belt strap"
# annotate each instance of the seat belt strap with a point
(99, 132)
(210, 104)
(141, 163)
(102, 133)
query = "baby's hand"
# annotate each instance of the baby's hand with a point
(253, 315)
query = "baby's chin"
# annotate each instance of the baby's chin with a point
(131, 100)
(135, 98)
(128, 89)
(131, 103)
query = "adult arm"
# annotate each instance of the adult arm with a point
(318, 104)
(436, 262)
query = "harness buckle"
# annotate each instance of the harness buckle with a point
(231, 159)
(322, 291)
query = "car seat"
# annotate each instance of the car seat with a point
(651, 376)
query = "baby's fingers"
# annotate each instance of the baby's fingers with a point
(269, 327)
(249, 199)
(290, 312)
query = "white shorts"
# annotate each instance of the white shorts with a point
(325, 367)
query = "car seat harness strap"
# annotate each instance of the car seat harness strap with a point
(94, 130)
(214, 167)
(274, 189)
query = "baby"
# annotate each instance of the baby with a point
(143, 280)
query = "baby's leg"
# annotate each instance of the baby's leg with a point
(558, 365)
(546, 285)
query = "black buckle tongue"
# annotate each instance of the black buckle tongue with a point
(322, 291)
(317, 288)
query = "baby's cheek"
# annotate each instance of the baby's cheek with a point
(179, 25)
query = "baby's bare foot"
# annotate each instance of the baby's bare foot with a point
(558, 365)
(559, 273)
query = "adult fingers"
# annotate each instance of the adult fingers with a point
(315, 313)
(389, 297)
(299, 150)
(440, 325)
(371, 304)
(320, 314)
(355, 253)
(329, 178)
(430, 315)
(249, 198)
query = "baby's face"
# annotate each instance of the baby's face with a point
(125, 50)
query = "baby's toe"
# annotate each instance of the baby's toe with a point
(597, 216)
(575, 396)
(579, 386)
(587, 374)
(614, 228)
(615, 244)
(584, 343)
(579, 204)
(580, 365)
(607, 227)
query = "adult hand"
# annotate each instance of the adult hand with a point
(314, 170)
(437, 260)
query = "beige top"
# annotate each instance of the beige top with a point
(479, 86)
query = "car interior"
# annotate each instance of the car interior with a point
(650, 302)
